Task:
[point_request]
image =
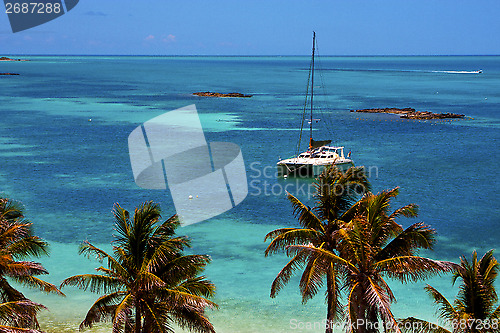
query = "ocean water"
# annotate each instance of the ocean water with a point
(64, 124)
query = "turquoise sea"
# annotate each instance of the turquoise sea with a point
(68, 171)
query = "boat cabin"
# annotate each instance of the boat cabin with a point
(324, 152)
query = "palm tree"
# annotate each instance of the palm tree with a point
(474, 308)
(18, 312)
(17, 242)
(371, 246)
(148, 281)
(335, 192)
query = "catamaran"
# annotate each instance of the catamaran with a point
(319, 154)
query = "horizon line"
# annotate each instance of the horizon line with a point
(251, 55)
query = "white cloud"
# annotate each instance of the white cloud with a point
(150, 37)
(169, 38)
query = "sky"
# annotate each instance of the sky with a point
(263, 27)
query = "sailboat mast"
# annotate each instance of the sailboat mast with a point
(312, 90)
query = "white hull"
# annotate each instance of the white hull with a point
(311, 164)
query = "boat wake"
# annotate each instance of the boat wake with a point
(405, 70)
(459, 72)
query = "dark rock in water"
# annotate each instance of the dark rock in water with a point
(9, 59)
(215, 94)
(410, 113)
(9, 74)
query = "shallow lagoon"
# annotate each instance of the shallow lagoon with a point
(68, 171)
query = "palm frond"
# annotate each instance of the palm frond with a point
(142, 229)
(350, 242)
(495, 314)
(477, 294)
(96, 283)
(89, 250)
(193, 320)
(12, 329)
(28, 246)
(292, 237)
(179, 298)
(123, 263)
(305, 215)
(198, 286)
(165, 230)
(109, 272)
(8, 293)
(312, 277)
(416, 236)
(135, 242)
(182, 268)
(488, 270)
(337, 191)
(16, 236)
(379, 205)
(413, 268)
(445, 309)
(34, 282)
(167, 254)
(179, 243)
(332, 293)
(22, 310)
(13, 230)
(489, 266)
(103, 309)
(410, 210)
(277, 232)
(16, 269)
(10, 210)
(148, 212)
(122, 312)
(286, 273)
(325, 255)
(377, 298)
(356, 209)
(149, 281)
(122, 221)
(156, 318)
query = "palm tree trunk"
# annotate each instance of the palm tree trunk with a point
(372, 321)
(137, 317)
(331, 288)
(361, 325)
(368, 321)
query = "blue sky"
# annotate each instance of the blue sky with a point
(264, 27)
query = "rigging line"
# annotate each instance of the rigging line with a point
(328, 123)
(305, 109)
